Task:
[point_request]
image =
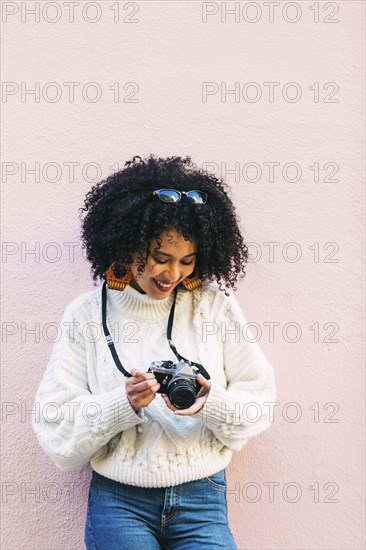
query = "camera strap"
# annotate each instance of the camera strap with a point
(107, 335)
(201, 369)
(110, 342)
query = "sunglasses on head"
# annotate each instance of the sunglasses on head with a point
(172, 195)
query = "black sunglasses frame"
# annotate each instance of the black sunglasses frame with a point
(202, 195)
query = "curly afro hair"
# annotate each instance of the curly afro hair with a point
(122, 217)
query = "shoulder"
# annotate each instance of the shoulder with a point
(83, 304)
(214, 297)
(213, 289)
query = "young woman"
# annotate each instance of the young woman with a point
(156, 379)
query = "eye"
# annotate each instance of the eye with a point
(184, 263)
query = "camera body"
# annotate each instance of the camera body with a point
(178, 381)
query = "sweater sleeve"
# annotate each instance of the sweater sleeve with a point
(72, 423)
(242, 410)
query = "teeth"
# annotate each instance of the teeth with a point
(162, 284)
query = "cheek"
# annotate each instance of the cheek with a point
(152, 269)
(138, 275)
(188, 269)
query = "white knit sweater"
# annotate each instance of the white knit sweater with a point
(85, 416)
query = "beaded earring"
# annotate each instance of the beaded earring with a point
(192, 282)
(125, 277)
(120, 282)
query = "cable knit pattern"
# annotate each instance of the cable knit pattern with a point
(85, 416)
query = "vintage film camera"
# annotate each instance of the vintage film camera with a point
(178, 381)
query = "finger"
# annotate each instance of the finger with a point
(183, 412)
(136, 377)
(147, 375)
(197, 405)
(147, 393)
(144, 398)
(142, 375)
(203, 381)
(203, 391)
(140, 384)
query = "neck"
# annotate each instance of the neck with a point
(139, 305)
(137, 287)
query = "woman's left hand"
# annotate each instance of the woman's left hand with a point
(200, 398)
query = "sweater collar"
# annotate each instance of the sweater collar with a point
(141, 305)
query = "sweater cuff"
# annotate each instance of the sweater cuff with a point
(220, 409)
(117, 412)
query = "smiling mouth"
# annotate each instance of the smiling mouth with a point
(163, 286)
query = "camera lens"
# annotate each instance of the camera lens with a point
(182, 393)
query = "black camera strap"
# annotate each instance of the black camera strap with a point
(110, 342)
(108, 337)
(201, 369)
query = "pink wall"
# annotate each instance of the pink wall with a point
(315, 463)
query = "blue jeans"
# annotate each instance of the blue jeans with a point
(189, 516)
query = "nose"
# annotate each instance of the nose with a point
(172, 273)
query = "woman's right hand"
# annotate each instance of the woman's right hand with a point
(141, 388)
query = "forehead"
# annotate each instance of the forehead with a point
(172, 241)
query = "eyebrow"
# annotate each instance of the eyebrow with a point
(157, 251)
